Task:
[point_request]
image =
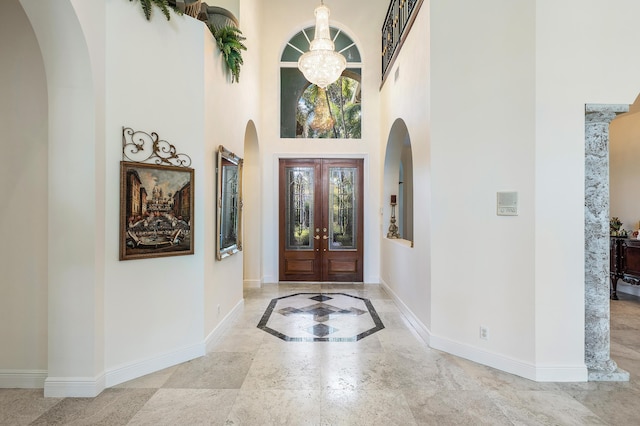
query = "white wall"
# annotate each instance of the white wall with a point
(406, 271)
(624, 173)
(111, 321)
(279, 22)
(582, 57)
(483, 141)
(228, 110)
(23, 217)
(153, 307)
(169, 77)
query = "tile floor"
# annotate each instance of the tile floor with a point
(388, 377)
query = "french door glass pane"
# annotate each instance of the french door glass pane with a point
(299, 208)
(342, 208)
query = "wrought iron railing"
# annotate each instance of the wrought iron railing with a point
(400, 16)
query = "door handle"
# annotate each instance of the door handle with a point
(324, 237)
(317, 237)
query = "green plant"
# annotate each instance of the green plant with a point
(162, 4)
(229, 40)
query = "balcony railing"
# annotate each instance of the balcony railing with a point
(400, 16)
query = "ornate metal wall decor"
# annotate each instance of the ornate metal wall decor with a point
(156, 198)
(142, 147)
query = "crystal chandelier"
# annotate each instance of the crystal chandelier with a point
(322, 65)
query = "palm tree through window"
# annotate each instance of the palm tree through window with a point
(307, 111)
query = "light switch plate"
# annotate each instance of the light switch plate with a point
(507, 204)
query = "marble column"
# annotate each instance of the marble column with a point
(597, 332)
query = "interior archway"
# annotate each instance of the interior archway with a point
(252, 209)
(75, 365)
(24, 185)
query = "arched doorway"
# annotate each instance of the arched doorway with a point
(24, 185)
(75, 140)
(252, 209)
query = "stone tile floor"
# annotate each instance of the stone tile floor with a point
(387, 378)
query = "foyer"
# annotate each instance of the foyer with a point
(481, 100)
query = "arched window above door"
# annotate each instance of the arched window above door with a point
(307, 111)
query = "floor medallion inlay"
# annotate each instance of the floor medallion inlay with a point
(325, 317)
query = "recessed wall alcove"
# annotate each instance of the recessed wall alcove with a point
(398, 180)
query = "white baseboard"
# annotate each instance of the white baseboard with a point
(22, 379)
(89, 387)
(147, 366)
(252, 283)
(570, 373)
(140, 368)
(223, 326)
(420, 328)
(76, 387)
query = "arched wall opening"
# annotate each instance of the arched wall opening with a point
(398, 182)
(75, 224)
(24, 185)
(252, 209)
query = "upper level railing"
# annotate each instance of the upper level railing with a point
(400, 16)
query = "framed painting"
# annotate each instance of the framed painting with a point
(229, 214)
(156, 210)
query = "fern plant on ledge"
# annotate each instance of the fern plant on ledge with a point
(229, 40)
(163, 5)
(228, 37)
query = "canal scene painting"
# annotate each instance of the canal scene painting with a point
(156, 210)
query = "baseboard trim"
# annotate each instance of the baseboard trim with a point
(140, 368)
(75, 387)
(420, 328)
(223, 326)
(22, 379)
(550, 373)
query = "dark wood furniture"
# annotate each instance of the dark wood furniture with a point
(624, 263)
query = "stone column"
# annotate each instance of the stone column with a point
(597, 316)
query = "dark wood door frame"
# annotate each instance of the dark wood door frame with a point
(325, 259)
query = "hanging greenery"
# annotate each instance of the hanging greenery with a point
(163, 5)
(229, 40)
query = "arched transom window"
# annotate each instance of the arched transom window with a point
(307, 111)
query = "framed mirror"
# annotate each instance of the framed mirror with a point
(229, 191)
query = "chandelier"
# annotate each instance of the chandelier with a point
(322, 65)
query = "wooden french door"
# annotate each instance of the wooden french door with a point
(321, 220)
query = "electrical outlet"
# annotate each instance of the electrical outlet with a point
(484, 333)
(218, 310)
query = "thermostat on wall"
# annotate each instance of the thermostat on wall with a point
(507, 204)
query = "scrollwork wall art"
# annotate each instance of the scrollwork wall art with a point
(156, 198)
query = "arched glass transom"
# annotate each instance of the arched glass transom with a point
(299, 44)
(307, 111)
